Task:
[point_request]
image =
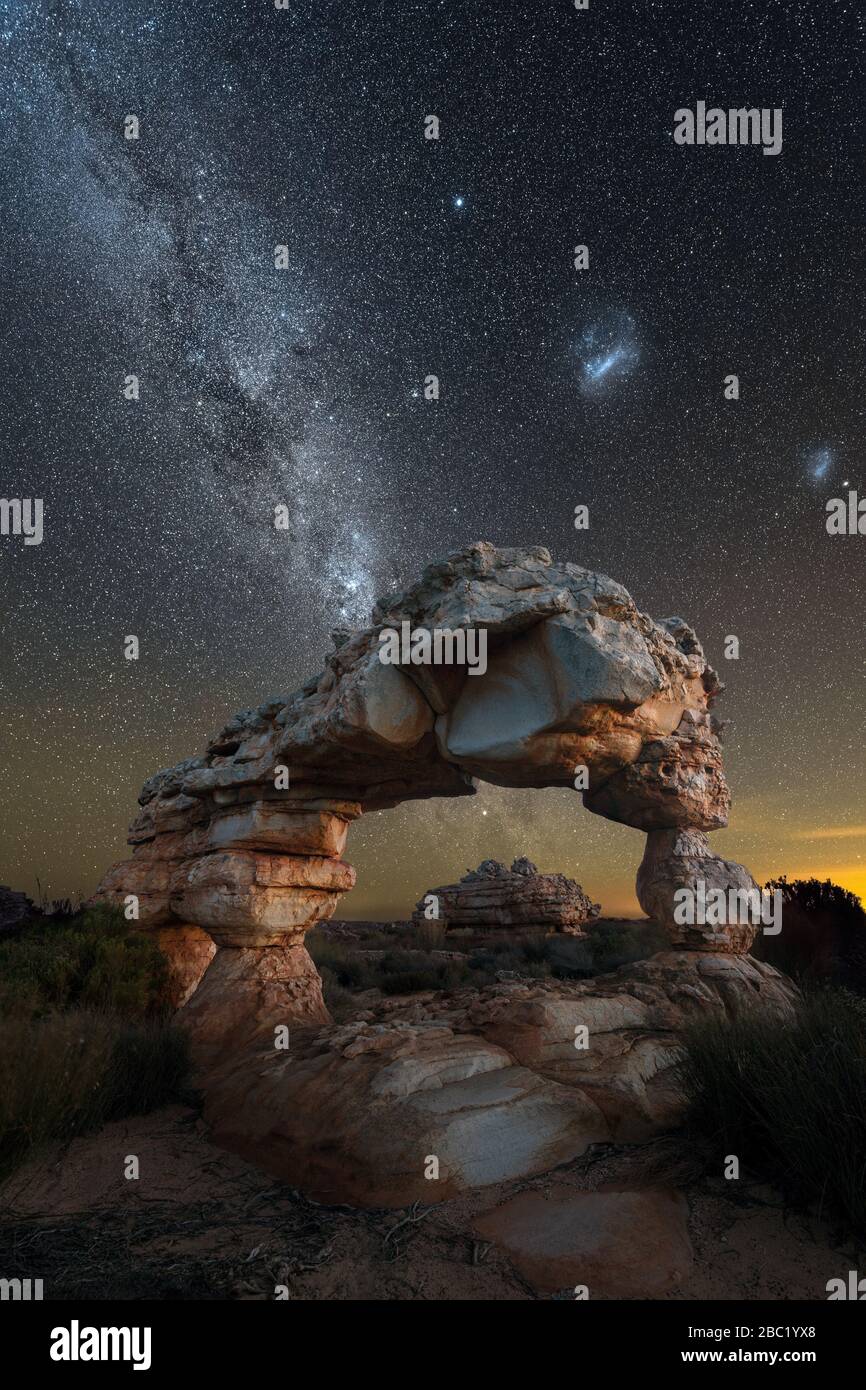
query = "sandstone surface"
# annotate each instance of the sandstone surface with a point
(358, 1118)
(613, 1244)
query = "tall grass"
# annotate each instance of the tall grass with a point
(787, 1096)
(85, 1035)
(64, 1074)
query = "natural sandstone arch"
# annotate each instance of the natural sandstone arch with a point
(576, 675)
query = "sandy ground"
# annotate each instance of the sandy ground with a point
(199, 1223)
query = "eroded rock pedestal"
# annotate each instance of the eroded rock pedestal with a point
(244, 843)
(496, 897)
(681, 860)
(253, 876)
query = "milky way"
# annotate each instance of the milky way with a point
(305, 386)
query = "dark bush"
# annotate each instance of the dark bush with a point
(616, 943)
(823, 936)
(787, 1097)
(409, 964)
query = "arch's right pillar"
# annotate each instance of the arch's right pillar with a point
(694, 895)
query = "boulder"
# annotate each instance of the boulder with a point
(676, 781)
(634, 1019)
(361, 1119)
(543, 680)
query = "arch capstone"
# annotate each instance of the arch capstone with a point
(576, 676)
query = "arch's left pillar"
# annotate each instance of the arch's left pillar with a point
(263, 874)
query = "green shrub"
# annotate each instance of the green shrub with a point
(616, 943)
(534, 948)
(428, 936)
(407, 972)
(787, 1097)
(149, 1066)
(339, 1000)
(412, 981)
(344, 963)
(95, 960)
(570, 959)
(407, 965)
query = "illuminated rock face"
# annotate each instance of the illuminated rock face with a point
(678, 861)
(578, 689)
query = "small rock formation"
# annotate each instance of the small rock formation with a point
(15, 908)
(677, 859)
(494, 896)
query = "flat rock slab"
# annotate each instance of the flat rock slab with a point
(617, 1244)
(361, 1124)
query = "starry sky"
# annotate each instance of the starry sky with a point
(304, 127)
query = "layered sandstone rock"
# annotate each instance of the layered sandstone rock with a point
(676, 860)
(248, 994)
(634, 1020)
(188, 951)
(245, 898)
(488, 1082)
(245, 839)
(494, 896)
(359, 1117)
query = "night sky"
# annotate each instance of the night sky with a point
(305, 127)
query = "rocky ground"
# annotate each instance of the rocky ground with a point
(631, 1222)
(637, 1220)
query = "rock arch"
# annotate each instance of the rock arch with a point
(576, 676)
